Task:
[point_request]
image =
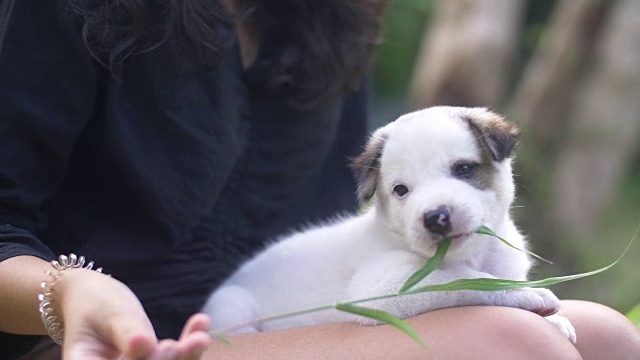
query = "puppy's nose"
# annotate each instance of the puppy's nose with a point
(438, 221)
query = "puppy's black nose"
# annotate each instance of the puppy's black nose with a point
(438, 221)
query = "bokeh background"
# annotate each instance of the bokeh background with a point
(568, 72)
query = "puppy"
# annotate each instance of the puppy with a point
(435, 173)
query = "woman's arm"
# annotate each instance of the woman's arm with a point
(102, 318)
(20, 277)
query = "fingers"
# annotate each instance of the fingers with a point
(140, 346)
(133, 334)
(193, 347)
(192, 343)
(195, 337)
(197, 322)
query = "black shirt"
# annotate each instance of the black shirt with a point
(168, 177)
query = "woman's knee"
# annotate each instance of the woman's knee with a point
(602, 332)
(498, 333)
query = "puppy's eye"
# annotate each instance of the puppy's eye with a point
(400, 190)
(464, 169)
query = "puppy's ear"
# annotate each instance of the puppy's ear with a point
(366, 166)
(497, 136)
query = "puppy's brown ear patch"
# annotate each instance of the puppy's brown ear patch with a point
(366, 167)
(495, 135)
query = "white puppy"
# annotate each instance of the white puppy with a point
(442, 171)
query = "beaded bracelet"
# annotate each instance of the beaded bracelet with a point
(50, 320)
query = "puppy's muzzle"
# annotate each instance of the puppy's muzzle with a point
(438, 221)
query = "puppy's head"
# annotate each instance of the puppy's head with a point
(442, 171)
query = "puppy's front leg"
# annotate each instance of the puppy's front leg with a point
(232, 305)
(540, 301)
(387, 274)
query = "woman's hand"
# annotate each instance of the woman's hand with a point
(103, 319)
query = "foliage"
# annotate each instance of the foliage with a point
(634, 315)
(405, 21)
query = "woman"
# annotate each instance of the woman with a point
(166, 141)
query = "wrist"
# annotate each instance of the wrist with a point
(52, 296)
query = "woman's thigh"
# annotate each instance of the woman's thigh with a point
(457, 333)
(602, 332)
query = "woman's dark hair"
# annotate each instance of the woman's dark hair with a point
(310, 50)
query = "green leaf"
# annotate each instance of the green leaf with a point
(224, 339)
(428, 267)
(486, 231)
(634, 315)
(385, 317)
(486, 284)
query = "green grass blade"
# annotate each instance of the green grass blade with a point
(486, 231)
(634, 315)
(428, 267)
(486, 284)
(224, 339)
(385, 317)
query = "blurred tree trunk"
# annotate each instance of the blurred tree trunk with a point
(466, 53)
(543, 102)
(544, 94)
(604, 124)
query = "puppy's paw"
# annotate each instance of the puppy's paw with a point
(539, 301)
(564, 325)
(551, 302)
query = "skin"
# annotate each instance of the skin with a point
(105, 320)
(602, 332)
(457, 333)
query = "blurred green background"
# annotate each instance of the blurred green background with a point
(569, 74)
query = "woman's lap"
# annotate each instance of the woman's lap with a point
(457, 333)
(603, 333)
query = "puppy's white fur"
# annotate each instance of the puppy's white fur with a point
(374, 253)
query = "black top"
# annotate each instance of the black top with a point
(167, 178)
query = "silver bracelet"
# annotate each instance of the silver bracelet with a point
(50, 320)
